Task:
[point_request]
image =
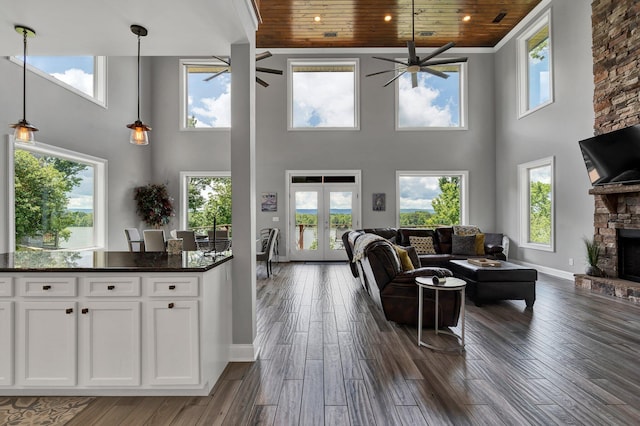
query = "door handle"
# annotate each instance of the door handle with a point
(85, 310)
(46, 287)
(69, 311)
(111, 287)
(171, 305)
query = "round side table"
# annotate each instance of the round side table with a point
(451, 284)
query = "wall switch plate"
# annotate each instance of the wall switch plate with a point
(571, 261)
(275, 219)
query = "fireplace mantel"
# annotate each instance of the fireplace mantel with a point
(610, 193)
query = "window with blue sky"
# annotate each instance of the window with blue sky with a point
(323, 94)
(207, 94)
(435, 103)
(535, 67)
(83, 74)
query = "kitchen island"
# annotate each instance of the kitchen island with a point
(113, 323)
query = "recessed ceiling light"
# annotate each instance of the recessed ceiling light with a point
(426, 33)
(467, 18)
(331, 34)
(317, 19)
(387, 18)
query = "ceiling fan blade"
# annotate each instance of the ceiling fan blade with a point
(391, 60)
(411, 45)
(434, 72)
(263, 55)
(414, 80)
(394, 79)
(444, 61)
(382, 72)
(215, 75)
(269, 70)
(261, 82)
(226, 61)
(437, 52)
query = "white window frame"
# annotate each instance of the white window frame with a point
(184, 63)
(464, 191)
(184, 190)
(99, 189)
(320, 62)
(99, 79)
(523, 66)
(523, 190)
(463, 103)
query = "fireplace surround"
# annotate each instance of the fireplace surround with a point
(629, 254)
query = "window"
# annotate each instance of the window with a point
(428, 199)
(83, 75)
(437, 103)
(206, 94)
(59, 201)
(535, 70)
(537, 204)
(203, 197)
(323, 94)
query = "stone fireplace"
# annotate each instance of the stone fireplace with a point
(617, 231)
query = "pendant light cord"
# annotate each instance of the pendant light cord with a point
(138, 77)
(24, 75)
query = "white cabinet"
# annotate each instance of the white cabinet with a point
(47, 343)
(6, 343)
(109, 343)
(174, 352)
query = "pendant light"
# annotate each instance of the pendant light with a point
(23, 130)
(139, 135)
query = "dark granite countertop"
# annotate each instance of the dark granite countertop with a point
(109, 261)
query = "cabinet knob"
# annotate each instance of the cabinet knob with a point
(171, 305)
(111, 287)
(46, 287)
(172, 287)
(69, 311)
(85, 310)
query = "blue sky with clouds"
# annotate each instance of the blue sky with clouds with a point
(76, 71)
(434, 103)
(209, 101)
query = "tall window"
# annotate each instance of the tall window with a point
(437, 103)
(206, 94)
(323, 94)
(429, 199)
(537, 204)
(84, 75)
(59, 199)
(205, 198)
(535, 71)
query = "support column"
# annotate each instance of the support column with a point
(243, 167)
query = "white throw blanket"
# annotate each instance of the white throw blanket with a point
(361, 244)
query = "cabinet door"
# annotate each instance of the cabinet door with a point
(6, 346)
(174, 356)
(109, 343)
(48, 344)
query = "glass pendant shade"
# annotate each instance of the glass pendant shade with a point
(139, 133)
(24, 132)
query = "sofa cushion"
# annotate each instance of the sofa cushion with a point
(405, 260)
(480, 244)
(423, 245)
(444, 234)
(465, 230)
(402, 235)
(464, 245)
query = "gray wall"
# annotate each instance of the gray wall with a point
(69, 121)
(377, 149)
(552, 131)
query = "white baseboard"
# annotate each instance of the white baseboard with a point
(243, 353)
(545, 270)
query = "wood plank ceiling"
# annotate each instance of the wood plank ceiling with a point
(361, 23)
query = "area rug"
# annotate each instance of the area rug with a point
(42, 410)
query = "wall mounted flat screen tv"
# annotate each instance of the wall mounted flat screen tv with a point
(614, 157)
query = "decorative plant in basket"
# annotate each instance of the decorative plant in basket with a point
(153, 204)
(593, 256)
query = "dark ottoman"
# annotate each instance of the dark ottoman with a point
(505, 282)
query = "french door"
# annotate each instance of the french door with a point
(321, 209)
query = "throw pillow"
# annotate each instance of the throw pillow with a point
(405, 260)
(465, 230)
(480, 244)
(464, 245)
(423, 245)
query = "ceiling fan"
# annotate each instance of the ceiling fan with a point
(415, 64)
(259, 57)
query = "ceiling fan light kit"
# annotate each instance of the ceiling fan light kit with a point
(23, 131)
(414, 63)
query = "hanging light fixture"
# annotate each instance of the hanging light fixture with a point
(139, 130)
(23, 130)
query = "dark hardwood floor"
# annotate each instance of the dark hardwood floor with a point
(329, 357)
